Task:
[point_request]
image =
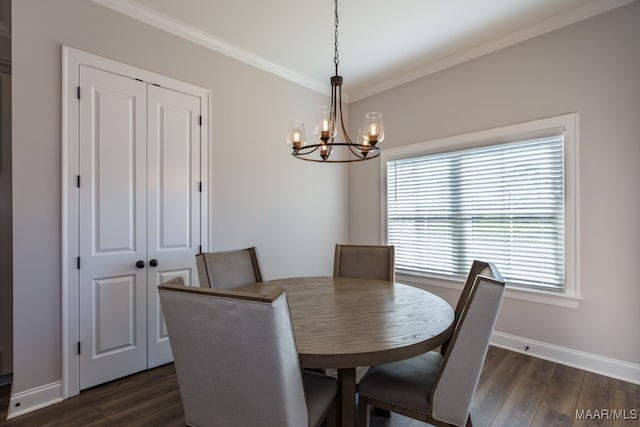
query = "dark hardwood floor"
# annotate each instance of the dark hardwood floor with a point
(514, 390)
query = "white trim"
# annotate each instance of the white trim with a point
(192, 34)
(206, 172)
(568, 124)
(34, 399)
(71, 61)
(514, 132)
(602, 365)
(512, 292)
(69, 234)
(539, 29)
(79, 57)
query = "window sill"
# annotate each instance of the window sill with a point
(512, 292)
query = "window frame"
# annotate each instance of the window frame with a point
(567, 124)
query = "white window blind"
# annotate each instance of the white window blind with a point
(502, 203)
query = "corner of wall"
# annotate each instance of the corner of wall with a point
(34, 399)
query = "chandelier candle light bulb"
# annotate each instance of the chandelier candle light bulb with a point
(364, 142)
(296, 136)
(324, 151)
(373, 124)
(325, 128)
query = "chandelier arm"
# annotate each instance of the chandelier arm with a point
(306, 150)
(353, 150)
(334, 110)
(344, 130)
(373, 153)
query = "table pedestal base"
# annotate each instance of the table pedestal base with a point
(346, 396)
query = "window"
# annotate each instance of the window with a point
(502, 195)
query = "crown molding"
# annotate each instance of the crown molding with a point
(180, 29)
(563, 20)
(175, 27)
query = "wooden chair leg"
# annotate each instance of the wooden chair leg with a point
(332, 416)
(363, 411)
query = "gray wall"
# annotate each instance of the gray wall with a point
(593, 68)
(259, 196)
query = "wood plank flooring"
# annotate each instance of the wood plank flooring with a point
(514, 390)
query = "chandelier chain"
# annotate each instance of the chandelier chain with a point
(335, 57)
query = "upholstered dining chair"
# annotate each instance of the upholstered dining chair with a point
(477, 268)
(236, 360)
(228, 269)
(431, 387)
(366, 261)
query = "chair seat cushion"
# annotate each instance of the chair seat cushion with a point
(320, 391)
(405, 383)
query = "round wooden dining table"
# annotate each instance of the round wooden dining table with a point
(345, 323)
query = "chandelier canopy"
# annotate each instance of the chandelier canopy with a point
(326, 128)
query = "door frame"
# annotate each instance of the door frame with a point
(71, 60)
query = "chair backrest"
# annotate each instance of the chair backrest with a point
(235, 357)
(477, 268)
(366, 261)
(228, 269)
(458, 377)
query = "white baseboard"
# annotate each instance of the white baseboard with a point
(36, 398)
(567, 356)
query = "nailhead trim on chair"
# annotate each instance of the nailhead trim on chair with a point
(393, 405)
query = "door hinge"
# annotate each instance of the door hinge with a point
(78, 262)
(78, 347)
(140, 80)
(78, 181)
(200, 186)
(200, 121)
(200, 249)
(78, 93)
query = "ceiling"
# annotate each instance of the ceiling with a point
(382, 43)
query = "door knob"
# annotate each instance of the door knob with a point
(140, 264)
(153, 263)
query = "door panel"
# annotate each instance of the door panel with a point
(113, 226)
(115, 316)
(114, 150)
(173, 201)
(174, 142)
(158, 329)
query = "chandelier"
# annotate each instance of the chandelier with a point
(326, 127)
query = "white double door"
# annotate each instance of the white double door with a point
(139, 218)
